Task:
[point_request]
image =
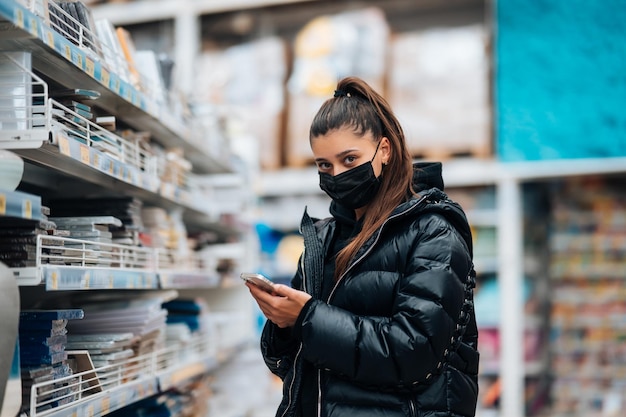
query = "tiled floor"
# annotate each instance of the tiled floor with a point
(245, 388)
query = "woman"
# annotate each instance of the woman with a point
(379, 320)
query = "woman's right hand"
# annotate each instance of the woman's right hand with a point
(283, 306)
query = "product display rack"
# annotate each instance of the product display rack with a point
(59, 59)
(587, 270)
(508, 180)
(63, 166)
(145, 376)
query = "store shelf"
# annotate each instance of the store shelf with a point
(151, 11)
(457, 173)
(20, 205)
(100, 391)
(57, 58)
(305, 181)
(65, 264)
(51, 165)
(68, 157)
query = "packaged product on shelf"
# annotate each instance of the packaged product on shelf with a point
(153, 83)
(588, 266)
(112, 52)
(16, 101)
(19, 237)
(247, 82)
(43, 355)
(327, 49)
(74, 21)
(128, 49)
(438, 86)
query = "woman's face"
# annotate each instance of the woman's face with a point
(341, 150)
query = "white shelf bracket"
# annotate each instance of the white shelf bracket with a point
(511, 277)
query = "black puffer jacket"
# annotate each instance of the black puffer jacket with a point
(397, 335)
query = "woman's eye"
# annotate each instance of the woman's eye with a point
(350, 159)
(323, 166)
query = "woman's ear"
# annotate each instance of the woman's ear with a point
(385, 150)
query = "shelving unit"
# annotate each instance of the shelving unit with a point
(57, 58)
(52, 164)
(68, 156)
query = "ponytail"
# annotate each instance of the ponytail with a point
(358, 107)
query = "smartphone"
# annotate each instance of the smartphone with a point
(259, 280)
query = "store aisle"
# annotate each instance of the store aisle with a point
(244, 387)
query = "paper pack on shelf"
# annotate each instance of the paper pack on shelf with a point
(128, 49)
(23, 114)
(111, 49)
(151, 78)
(327, 49)
(20, 205)
(101, 149)
(438, 88)
(247, 81)
(73, 20)
(39, 8)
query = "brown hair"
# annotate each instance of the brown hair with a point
(357, 106)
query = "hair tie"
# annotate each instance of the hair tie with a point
(341, 93)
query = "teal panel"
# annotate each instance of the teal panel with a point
(560, 79)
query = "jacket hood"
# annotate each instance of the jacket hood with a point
(428, 181)
(427, 175)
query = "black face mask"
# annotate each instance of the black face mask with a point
(354, 188)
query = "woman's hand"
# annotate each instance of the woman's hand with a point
(283, 306)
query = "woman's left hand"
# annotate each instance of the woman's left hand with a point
(283, 306)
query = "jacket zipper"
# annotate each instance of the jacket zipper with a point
(319, 371)
(295, 360)
(412, 408)
(319, 393)
(289, 403)
(371, 247)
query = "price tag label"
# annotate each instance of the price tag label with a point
(96, 160)
(90, 67)
(3, 204)
(33, 27)
(105, 77)
(78, 60)
(19, 18)
(49, 39)
(90, 411)
(68, 52)
(84, 154)
(27, 209)
(116, 85)
(106, 405)
(64, 146)
(54, 280)
(111, 281)
(87, 279)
